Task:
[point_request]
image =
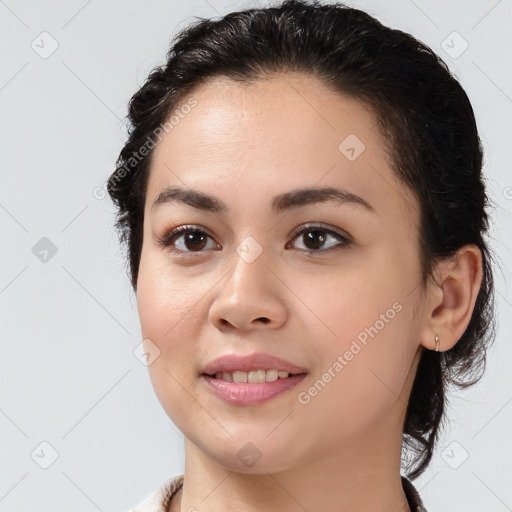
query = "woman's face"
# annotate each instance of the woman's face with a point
(336, 298)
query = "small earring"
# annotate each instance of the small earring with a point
(437, 343)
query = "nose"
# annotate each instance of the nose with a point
(249, 297)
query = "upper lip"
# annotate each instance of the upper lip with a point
(246, 363)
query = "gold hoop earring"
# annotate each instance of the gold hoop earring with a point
(437, 343)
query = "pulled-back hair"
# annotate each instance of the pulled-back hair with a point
(422, 112)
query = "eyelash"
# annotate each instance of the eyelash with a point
(166, 240)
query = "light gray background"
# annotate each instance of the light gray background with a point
(69, 325)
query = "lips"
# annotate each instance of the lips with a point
(252, 362)
(248, 395)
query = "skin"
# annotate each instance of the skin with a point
(245, 144)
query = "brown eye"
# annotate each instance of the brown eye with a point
(195, 240)
(186, 239)
(314, 238)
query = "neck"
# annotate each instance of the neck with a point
(363, 475)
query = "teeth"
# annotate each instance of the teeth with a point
(254, 377)
(240, 376)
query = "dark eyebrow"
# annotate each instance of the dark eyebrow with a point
(286, 201)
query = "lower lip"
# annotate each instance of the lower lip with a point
(250, 394)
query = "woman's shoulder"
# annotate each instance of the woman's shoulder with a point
(159, 500)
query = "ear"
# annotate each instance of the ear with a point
(451, 298)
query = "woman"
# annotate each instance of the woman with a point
(304, 211)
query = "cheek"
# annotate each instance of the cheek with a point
(366, 343)
(359, 382)
(165, 300)
(167, 307)
(168, 316)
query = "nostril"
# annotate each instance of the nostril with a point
(264, 319)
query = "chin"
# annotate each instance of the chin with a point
(243, 455)
(259, 467)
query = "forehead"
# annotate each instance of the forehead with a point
(273, 135)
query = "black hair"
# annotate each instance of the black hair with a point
(422, 112)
